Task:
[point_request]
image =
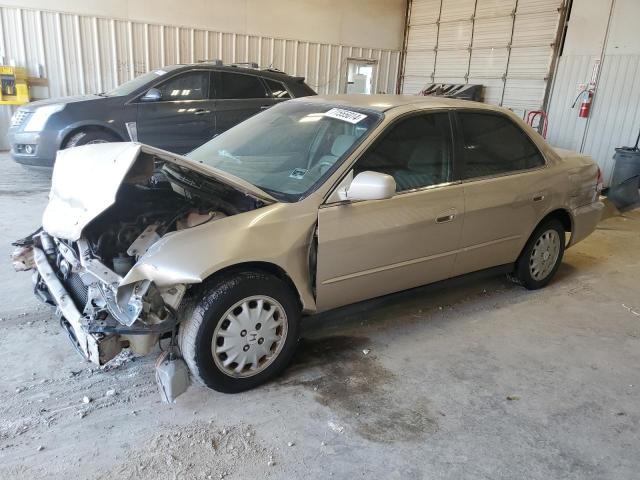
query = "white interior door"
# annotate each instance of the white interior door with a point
(360, 76)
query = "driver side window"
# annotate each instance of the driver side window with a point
(416, 152)
(188, 86)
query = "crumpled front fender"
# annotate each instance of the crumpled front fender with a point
(268, 235)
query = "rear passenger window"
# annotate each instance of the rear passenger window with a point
(239, 86)
(416, 152)
(493, 144)
(278, 90)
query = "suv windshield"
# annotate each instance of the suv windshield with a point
(288, 149)
(132, 85)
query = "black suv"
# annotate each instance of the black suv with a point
(175, 108)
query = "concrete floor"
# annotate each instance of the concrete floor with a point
(475, 379)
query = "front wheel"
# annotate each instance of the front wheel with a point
(242, 332)
(90, 137)
(542, 255)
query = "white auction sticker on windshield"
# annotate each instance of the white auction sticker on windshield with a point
(346, 115)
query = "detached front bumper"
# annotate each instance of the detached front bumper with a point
(97, 348)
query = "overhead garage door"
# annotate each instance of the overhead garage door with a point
(505, 45)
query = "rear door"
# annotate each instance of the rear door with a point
(183, 118)
(506, 189)
(372, 248)
(239, 96)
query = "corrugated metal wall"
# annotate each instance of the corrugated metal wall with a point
(82, 54)
(566, 129)
(615, 113)
(505, 45)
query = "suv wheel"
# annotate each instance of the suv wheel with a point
(90, 137)
(242, 332)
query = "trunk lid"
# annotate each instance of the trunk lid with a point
(86, 180)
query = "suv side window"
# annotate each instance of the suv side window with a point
(278, 90)
(231, 85)
(416, 152)
(493, 145)
(186, 86)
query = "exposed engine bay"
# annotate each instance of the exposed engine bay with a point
(143, 214)
(83, 277)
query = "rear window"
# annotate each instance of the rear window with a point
(237, 86)
(278, 90)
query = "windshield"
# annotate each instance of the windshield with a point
(132, 85)
(288, 149)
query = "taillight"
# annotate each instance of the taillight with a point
(599, 181)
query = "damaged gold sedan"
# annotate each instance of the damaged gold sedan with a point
(313, 204)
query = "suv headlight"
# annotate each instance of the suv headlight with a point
(39, 118)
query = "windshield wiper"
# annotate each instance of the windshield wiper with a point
(283, 197)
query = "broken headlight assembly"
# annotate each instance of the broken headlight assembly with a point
(143, 302)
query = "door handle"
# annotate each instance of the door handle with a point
(538, 198)
(201, 111)
(264, 107)
(446, 217)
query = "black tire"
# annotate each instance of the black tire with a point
(200, 322)
(86, 137)
(523, 270)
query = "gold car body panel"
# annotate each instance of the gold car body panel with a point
(501, 212)
(277, 235)
(371, 248)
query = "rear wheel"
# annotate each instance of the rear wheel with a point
(90, 137)
(242, 332)
(542, 255)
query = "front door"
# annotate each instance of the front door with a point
(506, 189)
(371, 248)
(238, 97)
(183, 118)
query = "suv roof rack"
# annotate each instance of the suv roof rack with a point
(216, 61)
(245, 64)
(219, 63)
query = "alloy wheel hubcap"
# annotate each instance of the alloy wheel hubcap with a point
(249, 337)
(544, 255)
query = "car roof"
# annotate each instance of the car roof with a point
(385, 102)
(267, 72)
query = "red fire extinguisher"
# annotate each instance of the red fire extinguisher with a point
(587, 92)
(585, 104)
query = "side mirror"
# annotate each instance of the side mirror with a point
(371, 186)
(152, 95)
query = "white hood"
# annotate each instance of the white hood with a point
(86, 180)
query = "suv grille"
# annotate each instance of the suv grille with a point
(19, 117)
